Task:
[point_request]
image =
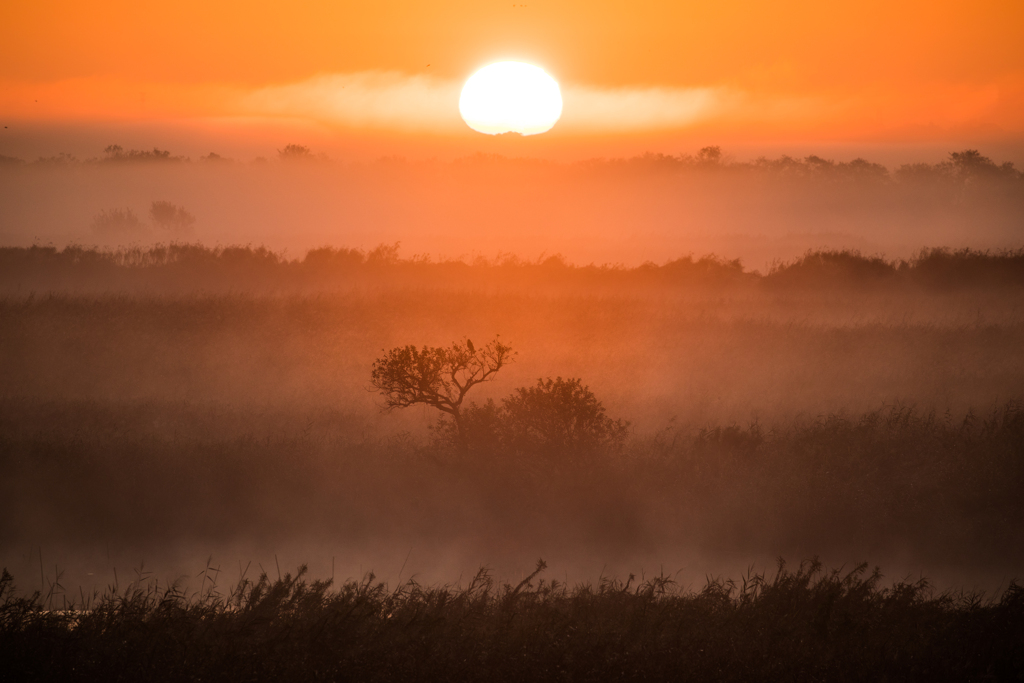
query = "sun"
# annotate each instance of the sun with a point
(511, 97)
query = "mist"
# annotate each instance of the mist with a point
(625, 211)
(165, 406)
(814, 358)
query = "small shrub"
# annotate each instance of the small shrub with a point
(295, 152)
(558, 417)
(116, 222)
(171, 217)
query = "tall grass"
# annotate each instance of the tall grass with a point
(807, 624)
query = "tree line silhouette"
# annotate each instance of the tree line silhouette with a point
(964, 166)
(193, 265)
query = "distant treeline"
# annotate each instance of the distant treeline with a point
(197, 266)
(965, 166)
(968, 165)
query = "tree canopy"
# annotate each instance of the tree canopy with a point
(437, 376)
(558, 418)
(562, 415)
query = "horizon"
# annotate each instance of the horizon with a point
(363, 82)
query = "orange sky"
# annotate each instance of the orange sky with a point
(732, 69)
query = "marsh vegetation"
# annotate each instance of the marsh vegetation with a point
(165, 405)
(804, 624)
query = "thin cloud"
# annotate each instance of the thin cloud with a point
(384, 100)
(598, 110)
(393, 101)
(389, 101)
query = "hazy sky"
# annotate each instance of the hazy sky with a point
(635, 75)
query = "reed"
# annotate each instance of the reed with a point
(803, 624)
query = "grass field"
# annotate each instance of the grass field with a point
(161, 407)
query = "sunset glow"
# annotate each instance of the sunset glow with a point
(510, 97)
(727, 73)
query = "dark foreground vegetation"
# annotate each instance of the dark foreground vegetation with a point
(807, 624)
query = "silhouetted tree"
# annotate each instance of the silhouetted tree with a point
(61, 159)
(437, 376)
(482, 432)
(971, 164)
(558, 417)
(171, 217)
(116, 222)
(561, 416)
(293, 152)
(118, 153)
(384, 254)
(709, 156)
(832, 268)
(324, 258)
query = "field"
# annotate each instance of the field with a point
(165, 410)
